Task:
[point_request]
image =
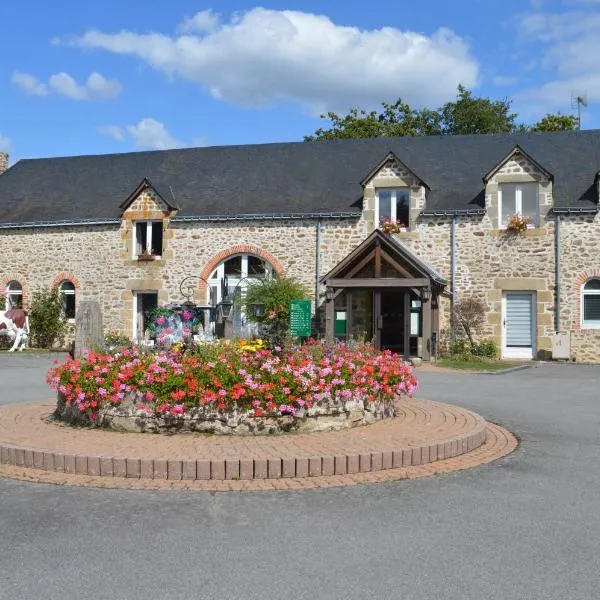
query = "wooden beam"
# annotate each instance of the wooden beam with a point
(406, 298)
(395, 264)
(378, 261)
(384, 282)
(356, 269)
(329, 320)
(426, 316)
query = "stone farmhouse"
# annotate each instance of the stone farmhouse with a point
(127, 229)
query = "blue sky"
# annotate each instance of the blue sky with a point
(116, 76)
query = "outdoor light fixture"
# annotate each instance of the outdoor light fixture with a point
(258, 309)
(425, 294)
(225, 308)
(329, 294)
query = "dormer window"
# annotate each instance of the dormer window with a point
(148, 239)
(518, 199)
(392, 205)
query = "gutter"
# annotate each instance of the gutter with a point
(592, 210)
(467, 212)
(65, 223)
(453, 276)
(557, 274)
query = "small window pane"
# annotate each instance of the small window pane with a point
(402, 206)
(67, 286)
(69, 305)
(14, 295)
(256, 266)
(384, 198)
(233, 266)
(591, 309)
(509, 202)
(157, 238)
(592, 284)
(141, 237)
(529, 201)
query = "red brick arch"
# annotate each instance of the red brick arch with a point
(56, 280)
(580, 281)
(6, 279)
(218, 258)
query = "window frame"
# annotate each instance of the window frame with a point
(588, 324)
(10, 293)
(149, 223)
(519, 203)
(394, 204)
(70, 292)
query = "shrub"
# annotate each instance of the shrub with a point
(46, 320)
(486, 349)
(469, 314)
(114, 339)
(275, 295)
(229, 376)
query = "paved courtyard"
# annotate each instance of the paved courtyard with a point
(527, 526)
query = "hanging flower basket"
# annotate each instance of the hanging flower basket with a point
(145, 256)
(518, 223)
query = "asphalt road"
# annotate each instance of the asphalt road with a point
(525, 527)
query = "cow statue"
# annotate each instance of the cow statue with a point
(15, 323)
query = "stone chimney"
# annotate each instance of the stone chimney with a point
(3, 162)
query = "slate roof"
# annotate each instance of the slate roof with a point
(299, 177)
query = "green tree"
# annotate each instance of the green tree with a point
(556, 122)
(465, 115)
(46, 318)
(274, 295)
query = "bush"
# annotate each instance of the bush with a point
(114, 339)
(275, 295)
(469, 314)
(486, 349)
(46, 320)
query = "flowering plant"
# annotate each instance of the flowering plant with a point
(388, 226)
(223, 377)
(518, 223)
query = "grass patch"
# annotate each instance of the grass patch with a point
(475, 364)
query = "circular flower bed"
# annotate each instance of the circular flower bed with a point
(232, 388)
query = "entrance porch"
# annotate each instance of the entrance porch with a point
(384, 294)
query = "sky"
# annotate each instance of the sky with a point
(82, 77)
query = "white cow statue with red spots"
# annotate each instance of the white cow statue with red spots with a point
(15, 324)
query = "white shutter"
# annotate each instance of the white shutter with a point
(518, 320)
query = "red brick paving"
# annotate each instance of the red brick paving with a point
(426, 438)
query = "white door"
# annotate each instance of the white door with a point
(518, 325)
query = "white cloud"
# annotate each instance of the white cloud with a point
(96, 87)
(113, 131)
(503, 80)
(152, 135)
(5, 143)
(571, 46)
(30, 84)
(205, 21)
(265, 56)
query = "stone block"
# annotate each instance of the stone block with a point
(396, 459)
(48, 462)
(106, 466)
(365, 462)
(246, 468)
(327, 465)
(416, 456)
(353, 463)
(232, 469)
(119, 467)
(274, 468)
(289, 467)
(376, 461)
(146, 468)
(217, 469)
(314, 466)
(260, 468)
(340, 464)
(81, 465)
(387, 459)
(302, 467)
(20, 457)
(203, 469)
(29, 458)
(441, 452)
(174, 470)
(407, 457)
(133, 468)
(93, 466)
(188, 470)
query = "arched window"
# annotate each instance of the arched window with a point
(66, 289)
(590, 304)
(240, 270)
(14, 295)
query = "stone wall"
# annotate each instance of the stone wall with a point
(3, 162)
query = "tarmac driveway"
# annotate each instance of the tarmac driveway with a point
(526, 527)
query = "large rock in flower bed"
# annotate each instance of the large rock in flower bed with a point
(322, 416)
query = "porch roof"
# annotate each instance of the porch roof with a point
(396, 249)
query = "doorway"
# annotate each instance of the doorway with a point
(143, 304)
(518, 325)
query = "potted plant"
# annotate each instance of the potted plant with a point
(145, 255)
(518, 223)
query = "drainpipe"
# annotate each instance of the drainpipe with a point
(452, 277)
(557, 274)
(317, 273)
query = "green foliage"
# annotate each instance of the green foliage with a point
(47, 323)
(467, 114)
(485, 349)
(557, 122)
(274, 295)
(463, 349)
(114, 339)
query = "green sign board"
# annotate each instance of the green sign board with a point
(300, 318)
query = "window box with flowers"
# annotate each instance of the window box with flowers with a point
(389, 227)
(518, 223)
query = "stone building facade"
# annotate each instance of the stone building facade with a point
(465, 239)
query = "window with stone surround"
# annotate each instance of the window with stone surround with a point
(590, 304)
(517, 199)
(14, 295)
(392, 205)
(66, 290)
(148, 239)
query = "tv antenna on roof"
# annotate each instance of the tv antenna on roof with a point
(578, 102)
